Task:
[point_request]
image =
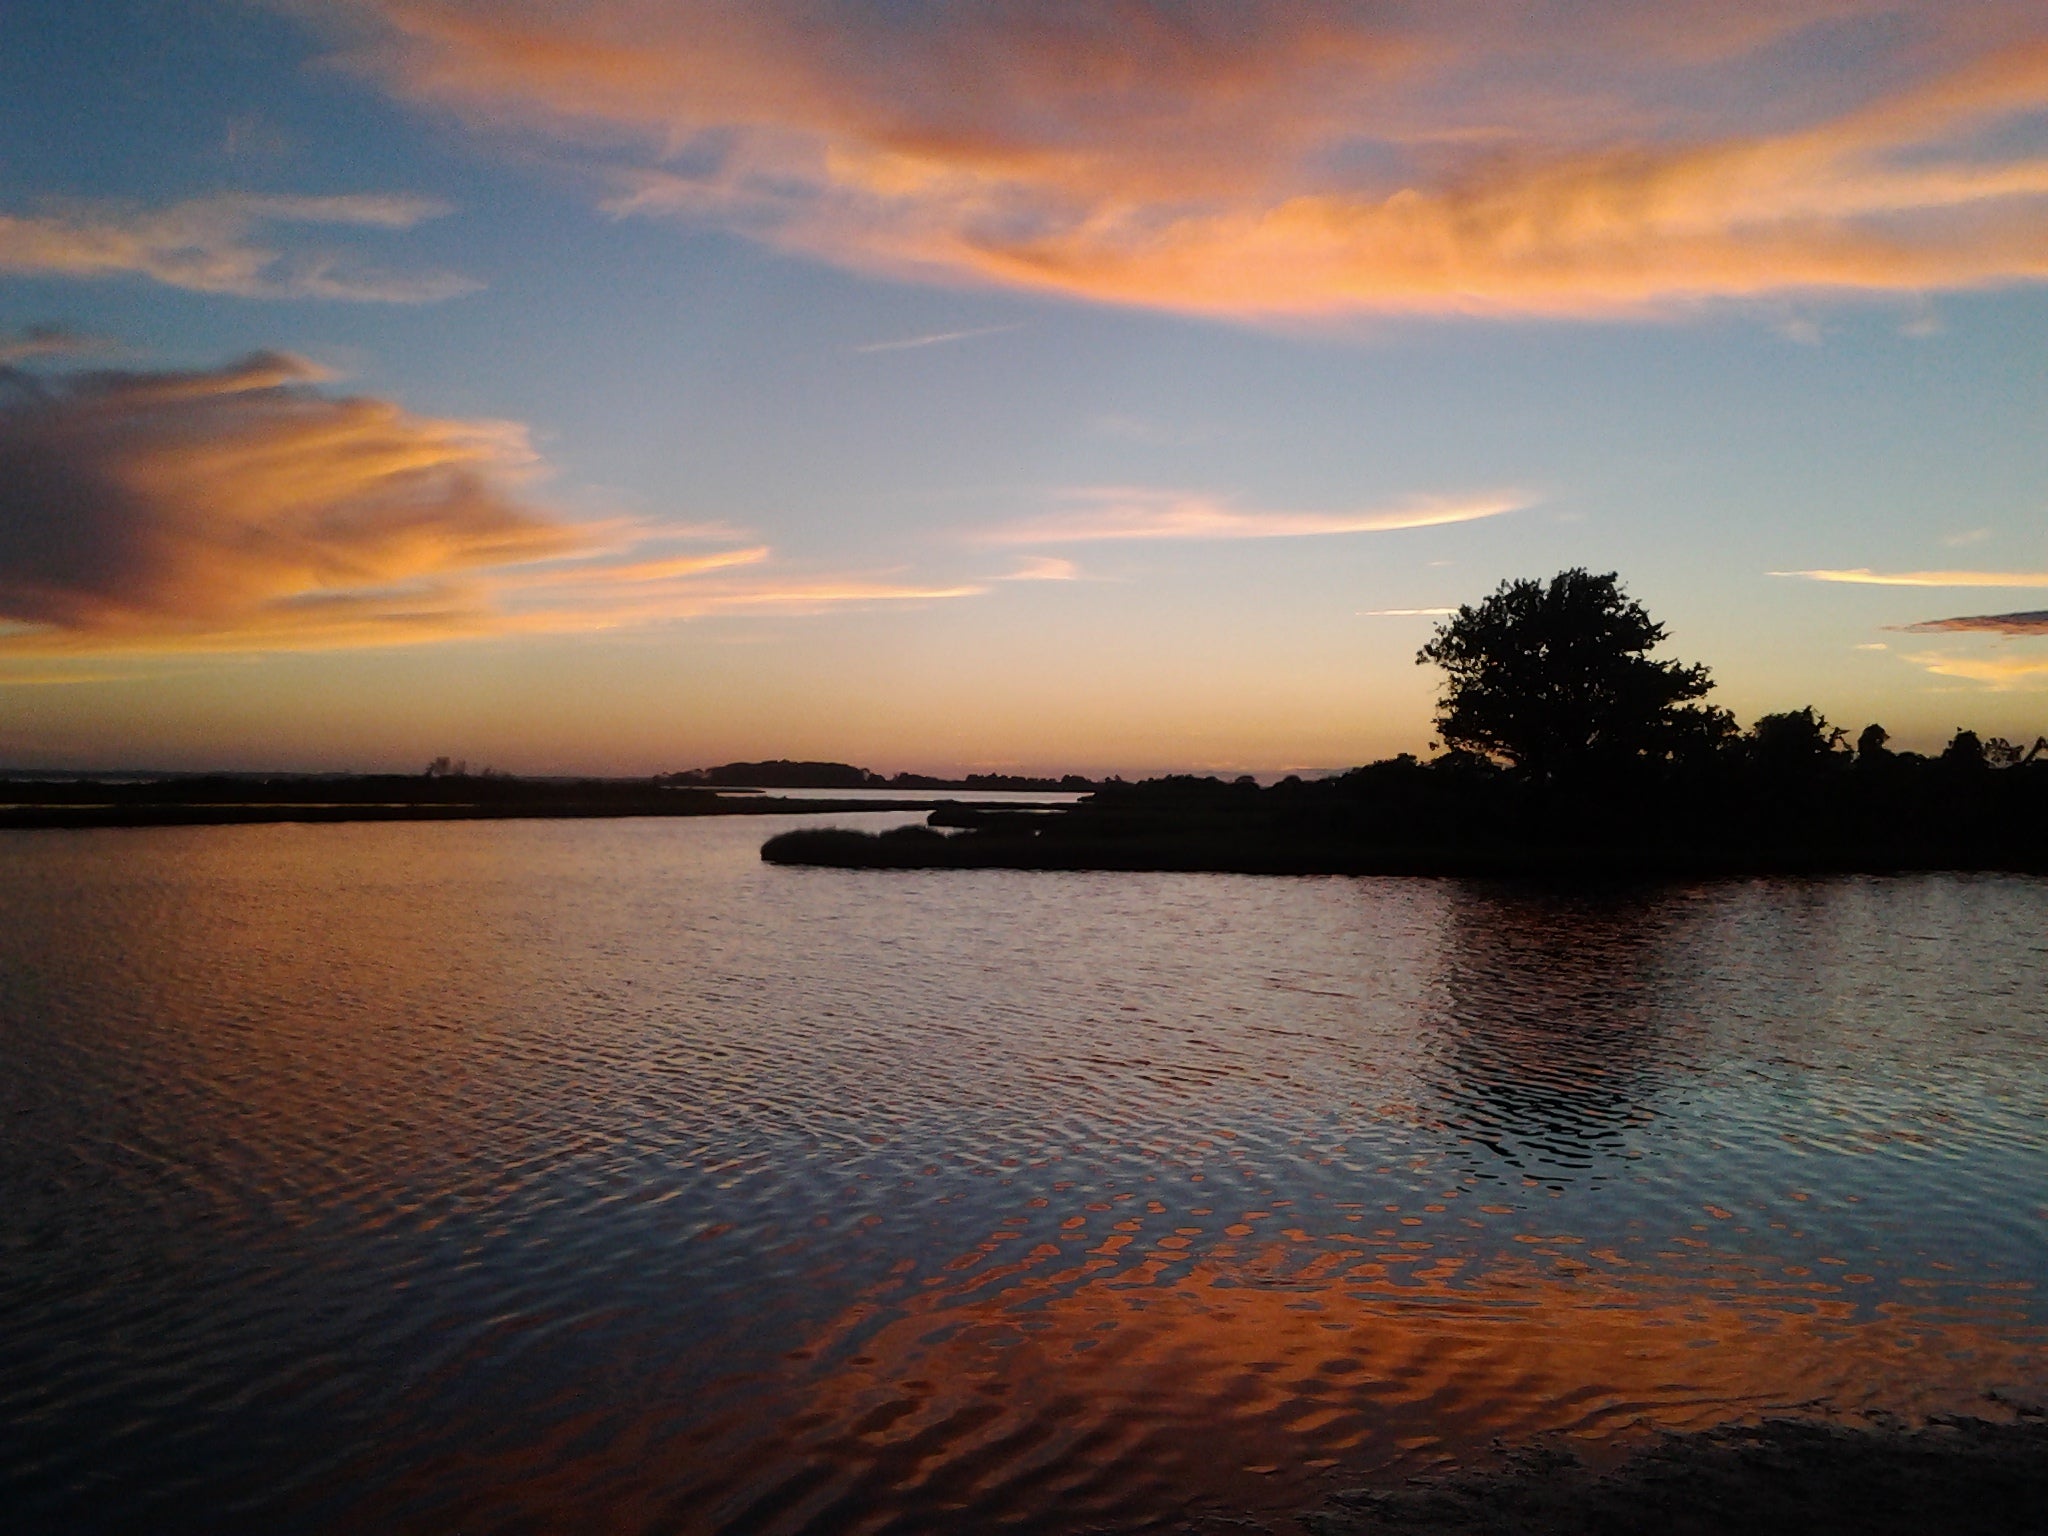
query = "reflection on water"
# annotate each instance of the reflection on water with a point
(1553, 1037)
(528, 1176)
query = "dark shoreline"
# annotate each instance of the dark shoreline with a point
(50, 818)
(27, 805)
(1453, 817)
(1783, 1477)
(915, 848)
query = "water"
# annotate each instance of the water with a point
(530, 1176)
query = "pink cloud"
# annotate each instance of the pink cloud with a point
(1138, 512)
(211, 245)
(1267, 159)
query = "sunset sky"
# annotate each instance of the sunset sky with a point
(628, 385)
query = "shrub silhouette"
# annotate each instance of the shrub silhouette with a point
(1798, 741)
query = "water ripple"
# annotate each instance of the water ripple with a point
(529, 1176)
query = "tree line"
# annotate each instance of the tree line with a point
(1554, 681)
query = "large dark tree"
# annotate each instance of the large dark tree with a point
(1556, 678)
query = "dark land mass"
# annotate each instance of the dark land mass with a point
(781, 773)
(1828, 811)
(204, 800)
(1954, 1477)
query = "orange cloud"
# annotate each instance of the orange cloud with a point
(239, 508)
(242, 509)
(1268, 159)
(641, 573)
(1136, 512)
(208, 245)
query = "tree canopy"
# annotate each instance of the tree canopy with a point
(1556, 678)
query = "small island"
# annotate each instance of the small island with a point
(1568, 750)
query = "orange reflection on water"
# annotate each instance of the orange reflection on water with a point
(1123, 1383)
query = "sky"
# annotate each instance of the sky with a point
(620, 386)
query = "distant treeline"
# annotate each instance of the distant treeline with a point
(1788, 795)
(443, 793)
(781, 773)
(446, 790)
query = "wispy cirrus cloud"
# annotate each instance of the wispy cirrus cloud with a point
(1997, 671)
(1868, 578)
(68, 679)
(215, 245)
(818, 594)
(42, 341)
(591, 599)
(1044, 568)
(613, 572)
(1405, 613)
(938, 338)
(1100, 513)
(1271, 159)
(2030, 623)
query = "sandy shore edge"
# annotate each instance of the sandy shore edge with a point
(1783, 1477)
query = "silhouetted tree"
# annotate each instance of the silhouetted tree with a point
(1870, 746)
(1556, 677)
(1797, 740)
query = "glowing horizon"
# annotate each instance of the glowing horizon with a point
(623, 386)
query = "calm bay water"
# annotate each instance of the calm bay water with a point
(531, 1176)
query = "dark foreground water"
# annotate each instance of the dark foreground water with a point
(527, 1176)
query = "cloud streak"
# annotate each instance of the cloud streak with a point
(2032, 623)
(212, 245)
(829, 592)
(1044, 568)
(2001, 672)
(1104, 513)
(642, 573)
(1867, 578)
(585, 602)
(40, 341)
(69, 679)
(1265, 159)
(938, 338)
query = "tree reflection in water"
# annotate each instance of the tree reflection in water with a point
(1557, 1032)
